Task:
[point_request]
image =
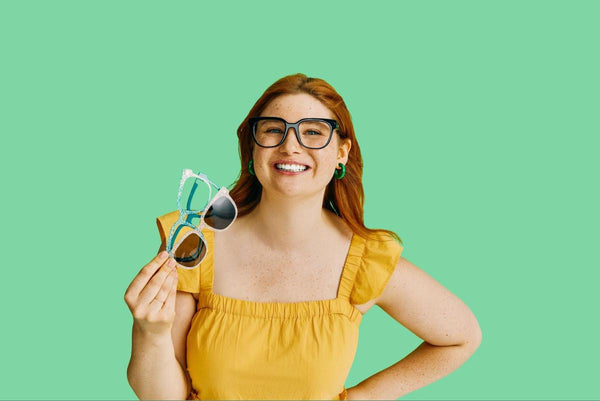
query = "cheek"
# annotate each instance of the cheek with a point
(261, 159)
(329, 160)
(326, 165)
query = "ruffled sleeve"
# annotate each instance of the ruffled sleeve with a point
(188, 279)
(376, 267)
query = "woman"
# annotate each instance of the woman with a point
(274, 309)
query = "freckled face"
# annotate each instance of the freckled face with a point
(321, 162)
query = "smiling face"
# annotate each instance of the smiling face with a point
(321, 162)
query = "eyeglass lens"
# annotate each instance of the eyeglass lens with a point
(313, 134)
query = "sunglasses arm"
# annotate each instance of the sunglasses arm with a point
(207, 180)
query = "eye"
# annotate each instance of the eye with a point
(270, 129)
(312, 133)
(314, 128)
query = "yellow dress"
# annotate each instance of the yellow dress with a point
(238, 349)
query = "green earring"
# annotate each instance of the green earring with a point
(342, 174)
(250, 169)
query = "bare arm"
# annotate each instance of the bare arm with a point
(157, 368)
(153, 372)
(449, 329)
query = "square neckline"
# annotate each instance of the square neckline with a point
(345, 271)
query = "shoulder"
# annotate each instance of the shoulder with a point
(380, 255)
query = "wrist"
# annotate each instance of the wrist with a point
(155, 337)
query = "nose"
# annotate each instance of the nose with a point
(291, 142)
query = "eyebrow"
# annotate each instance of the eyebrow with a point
(326, 118)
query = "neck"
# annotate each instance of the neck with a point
(286, 223)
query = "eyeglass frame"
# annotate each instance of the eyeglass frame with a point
(186, 215)
(253, 120)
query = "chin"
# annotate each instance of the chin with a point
(296, 191)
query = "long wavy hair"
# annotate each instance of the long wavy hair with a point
(344, 197)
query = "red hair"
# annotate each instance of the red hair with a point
(346, 194)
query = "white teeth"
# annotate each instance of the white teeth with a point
(291, 167)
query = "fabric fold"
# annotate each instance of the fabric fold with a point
(277, 310)
(376, 268)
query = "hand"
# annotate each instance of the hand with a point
(151, 295)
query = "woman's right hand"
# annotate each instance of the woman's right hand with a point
(151, 295)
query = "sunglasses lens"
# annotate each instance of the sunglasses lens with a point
(191, 251)
(221, 213)
(194, 195)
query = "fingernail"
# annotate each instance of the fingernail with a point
(162, 256)
(171, 263)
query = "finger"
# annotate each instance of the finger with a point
(157, 305)
(169, 304)
(154, 307)
(154, 285)
(163, 293)
(145, 274)
(151, 289)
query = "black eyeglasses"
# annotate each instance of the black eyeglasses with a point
(312, 133)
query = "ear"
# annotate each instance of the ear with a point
(344, 150)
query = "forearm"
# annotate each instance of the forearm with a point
(426, 364)
(153, 371)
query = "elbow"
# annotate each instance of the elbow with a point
(473, 340)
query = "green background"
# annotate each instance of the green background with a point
(478, 125)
